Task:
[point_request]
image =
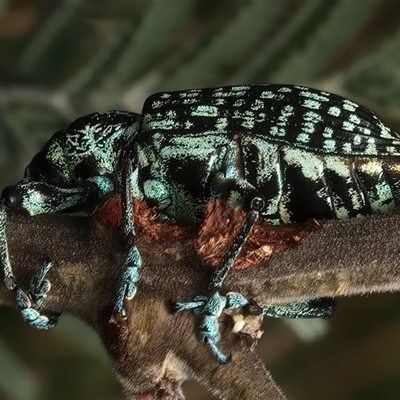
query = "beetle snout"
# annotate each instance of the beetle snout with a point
(12, 197)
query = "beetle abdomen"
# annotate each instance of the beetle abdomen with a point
(299, 185)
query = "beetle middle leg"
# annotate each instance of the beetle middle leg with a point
(133, 261)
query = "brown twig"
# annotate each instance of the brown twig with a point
(155, 350)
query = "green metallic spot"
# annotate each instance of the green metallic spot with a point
(334, 111)
(285, 89)
(304, 137)
(347, 148)
(354, 119)
(308, 128)
(328, 132)
(357, 140)
(205, 111)
(348, 126)
(349, 105)
(238, 103)
(248, 123)
(222, 123)
(329, 146)
(321, 96)
(267, 95)
(309, 103)
(277, 131)
(371, 147)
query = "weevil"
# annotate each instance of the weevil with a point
(282, 153)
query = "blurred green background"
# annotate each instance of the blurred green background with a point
(63, 59)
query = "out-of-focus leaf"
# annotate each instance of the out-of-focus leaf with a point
(16, 380)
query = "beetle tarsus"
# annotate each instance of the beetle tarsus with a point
(127, 289)
(29, 304)
(211, 308)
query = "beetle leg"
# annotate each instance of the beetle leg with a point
(211, 306)
(252, 217)
(130, 276)
(29, 304)
(39, 286)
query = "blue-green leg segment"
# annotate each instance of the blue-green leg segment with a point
(211, 306)
(133, 261)
(30, 304)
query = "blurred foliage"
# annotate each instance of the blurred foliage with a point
(63, 59)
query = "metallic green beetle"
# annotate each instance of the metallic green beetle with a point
(281, 153)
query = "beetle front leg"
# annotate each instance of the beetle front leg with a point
(211, 308)
(30, 305)
(133, 261)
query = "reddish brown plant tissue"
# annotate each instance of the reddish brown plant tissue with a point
(214, 236)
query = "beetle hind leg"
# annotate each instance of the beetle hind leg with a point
(214, 304)
(30, 304)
